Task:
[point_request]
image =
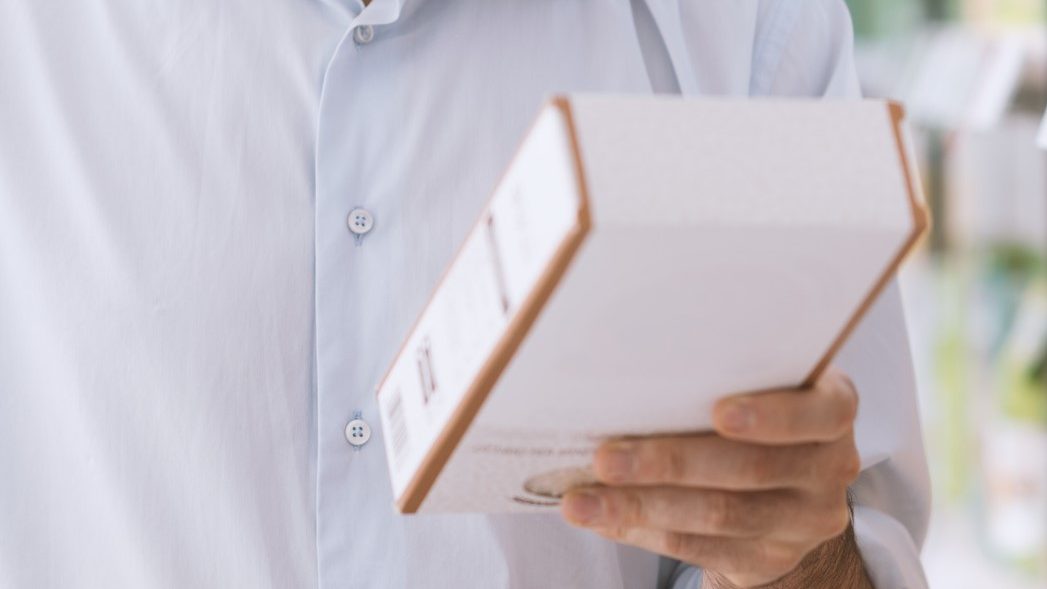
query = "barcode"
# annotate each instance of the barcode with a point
(398, 428)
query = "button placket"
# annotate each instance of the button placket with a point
(343, 458)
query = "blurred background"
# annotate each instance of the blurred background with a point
(973, 74)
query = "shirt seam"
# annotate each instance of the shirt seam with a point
(770, 48)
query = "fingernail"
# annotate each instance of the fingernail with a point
(582, 507)
(737, 417)
(617, 461)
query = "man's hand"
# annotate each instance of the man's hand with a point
(764, 500)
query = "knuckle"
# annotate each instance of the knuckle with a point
(806, 462)
(850, 466)
(852, 389)
(832, 519)
(720, 515)
(674, 543)
(792, 423)
(840, 395)
(843, 423)
(674, 463)
(839, 523)
(761, 467)
(849, 401)
(629, 508)
(834, 465)
(829, 522)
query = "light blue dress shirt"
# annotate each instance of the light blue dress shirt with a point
(188, 322)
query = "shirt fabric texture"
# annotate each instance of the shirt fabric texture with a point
(187, 325)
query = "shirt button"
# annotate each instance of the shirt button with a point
(357, 432)
(363, 35)
(360, 221)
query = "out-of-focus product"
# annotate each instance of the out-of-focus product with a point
(1015, 441)
(998, 187)
(1042, 139)
(641, 258)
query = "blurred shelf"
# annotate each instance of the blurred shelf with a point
(973, 76)
(953, 558)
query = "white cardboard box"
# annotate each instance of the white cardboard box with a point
(641, 258)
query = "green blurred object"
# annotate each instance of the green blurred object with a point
(1024, 399)
(1018, 12)
(884, 18)
(1022, 362)
(874, 19)
(1014, 438)
(1010, 270)
(952, 375)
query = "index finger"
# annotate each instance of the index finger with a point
(823, 413)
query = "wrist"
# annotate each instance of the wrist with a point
(835, 564)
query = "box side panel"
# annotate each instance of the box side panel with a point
(534, 210)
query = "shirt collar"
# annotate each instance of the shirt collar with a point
(378, 12)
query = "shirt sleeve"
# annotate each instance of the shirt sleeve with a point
(806, 49)
(892, 495)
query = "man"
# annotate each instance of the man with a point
(217, 221)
